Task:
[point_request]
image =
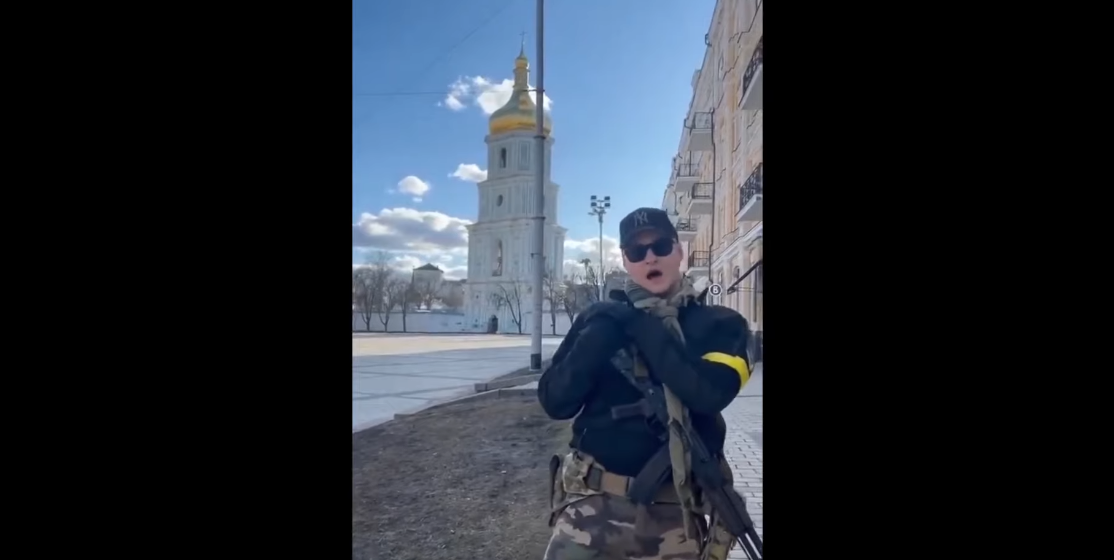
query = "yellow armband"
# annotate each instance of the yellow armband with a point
(734, 362)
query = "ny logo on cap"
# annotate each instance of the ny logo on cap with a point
(640, 218)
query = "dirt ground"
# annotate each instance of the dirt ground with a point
(464, 482)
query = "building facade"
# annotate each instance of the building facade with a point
(715, 189)
(427, 278)
(499, 251)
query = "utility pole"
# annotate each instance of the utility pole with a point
(712, 227)
(539, 199)
(599, 208)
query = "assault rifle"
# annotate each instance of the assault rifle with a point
(724, 500)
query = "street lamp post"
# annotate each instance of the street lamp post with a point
(599, 208)
(539, 199)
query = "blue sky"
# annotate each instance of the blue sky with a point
(618, 75)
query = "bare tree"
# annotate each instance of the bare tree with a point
(511, 299)
(554, 293)
(587, 266)
(355, 286)
(453, 298)
(592, 279)
(394, 295)
(572, 299)
(424, 292)
(368, 285)
(407, 297)
(366, 294)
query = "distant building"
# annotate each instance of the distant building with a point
(616, 280)
(429, 275)
(451, 290)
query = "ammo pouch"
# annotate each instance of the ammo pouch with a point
(568, 477)
(577, 476)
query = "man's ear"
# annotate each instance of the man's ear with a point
(681, 249)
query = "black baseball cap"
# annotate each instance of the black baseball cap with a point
(645, 219)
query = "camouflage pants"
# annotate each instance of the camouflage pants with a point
(602, 527)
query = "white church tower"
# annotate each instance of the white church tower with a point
(499, 260)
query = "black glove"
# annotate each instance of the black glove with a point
(648, 331)
(656, 344)
(604, 332)
(601, 338)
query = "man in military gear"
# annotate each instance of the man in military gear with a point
(625, 490)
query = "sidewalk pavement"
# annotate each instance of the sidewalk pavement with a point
(743, 448)
(398, 372)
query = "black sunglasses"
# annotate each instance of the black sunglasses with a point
(661, 246)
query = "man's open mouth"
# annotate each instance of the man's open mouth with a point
(653, 274)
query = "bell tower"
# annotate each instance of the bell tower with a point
(499, 253)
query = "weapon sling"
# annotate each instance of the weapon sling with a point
(723, 499)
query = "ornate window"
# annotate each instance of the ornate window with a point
(524, 156)
(498, 259)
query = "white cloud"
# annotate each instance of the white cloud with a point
(412, 238)
(413, 186)
(484, 93)
(452, 103)
(454, 264)
(459, 272)
(406, 262)
(402, 229)
(469, 172)
(577, 251)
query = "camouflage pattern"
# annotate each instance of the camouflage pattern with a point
(574, 472)
(590, 524)
(603, 527)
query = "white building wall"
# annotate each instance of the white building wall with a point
(425, 322)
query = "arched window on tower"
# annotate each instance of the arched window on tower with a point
(524, 156)
(502, 158)
(498, 259)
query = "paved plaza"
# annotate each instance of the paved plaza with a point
(743, 448)
(400, 372)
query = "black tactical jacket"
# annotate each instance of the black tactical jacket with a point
(582, 382)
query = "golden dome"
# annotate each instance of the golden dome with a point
(519, 113)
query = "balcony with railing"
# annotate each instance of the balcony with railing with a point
(698, 264)
(685, 174)
(750, 197)
(686, 229)
(697, 200)
(752, 80)
(700, 128)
